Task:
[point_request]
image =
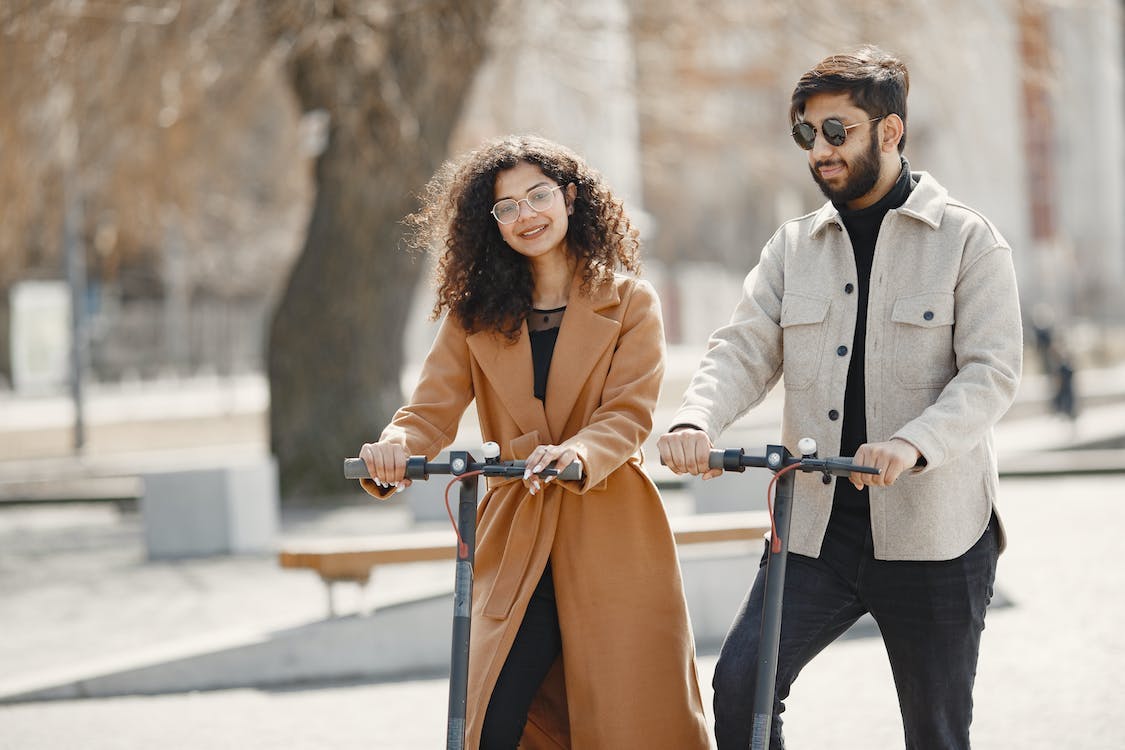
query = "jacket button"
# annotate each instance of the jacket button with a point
(849, 288)
(841, 350)
(928, 315)
(833, 415)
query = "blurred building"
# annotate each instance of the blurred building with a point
(1001, 110)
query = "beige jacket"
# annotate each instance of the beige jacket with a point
(627, 677)
(943, 359)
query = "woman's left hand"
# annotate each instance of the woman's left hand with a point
(544, 457)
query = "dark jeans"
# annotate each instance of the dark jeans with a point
(537, 645)
(930, 614)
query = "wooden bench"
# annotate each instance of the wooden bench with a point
(352, 559)
(123, 490)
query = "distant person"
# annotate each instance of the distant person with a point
(892, 314)
(1055, 364)
(1064, 400)
(580, 632)
(1042, 325)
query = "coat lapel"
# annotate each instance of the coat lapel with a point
(508, 367)
(583, 338)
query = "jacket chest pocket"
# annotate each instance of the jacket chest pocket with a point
(923, 331)
(803, 323)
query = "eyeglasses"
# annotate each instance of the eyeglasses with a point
(538, 199)
(835, 132)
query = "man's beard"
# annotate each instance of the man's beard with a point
(863, 173)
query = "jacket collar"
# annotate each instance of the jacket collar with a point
(583, 337)
(926, 203)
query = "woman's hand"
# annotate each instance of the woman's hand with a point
(386, 463)
(545, 457)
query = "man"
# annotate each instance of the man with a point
(893, 316)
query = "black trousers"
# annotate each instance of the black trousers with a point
(537, 645)
(930, 614)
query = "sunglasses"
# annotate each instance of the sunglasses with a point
(834, 131)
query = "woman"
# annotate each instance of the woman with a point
(580, 636)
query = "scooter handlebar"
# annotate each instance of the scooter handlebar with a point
(735, 459)
(418, 468)
(840, 466)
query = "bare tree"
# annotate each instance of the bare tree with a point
(160, 117)
(389, 79)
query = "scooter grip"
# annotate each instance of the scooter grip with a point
(573, 472)
(717, 458)
(355, 468)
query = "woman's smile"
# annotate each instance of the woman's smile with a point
(534, 232)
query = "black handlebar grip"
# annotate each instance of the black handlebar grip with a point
(572, 473)
(727, 460)
(845, 465)
(416, 468)
(354, 468)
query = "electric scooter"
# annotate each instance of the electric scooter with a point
(783, 464)
(464, 468)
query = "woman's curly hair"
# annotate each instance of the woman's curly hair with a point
(481, 280)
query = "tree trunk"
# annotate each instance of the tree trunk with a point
(393, 89)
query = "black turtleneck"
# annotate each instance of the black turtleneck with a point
(863, 230)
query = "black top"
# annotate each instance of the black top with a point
(863, 230)
(543, 330)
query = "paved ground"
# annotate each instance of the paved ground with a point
(75, 588)
(1052, 671)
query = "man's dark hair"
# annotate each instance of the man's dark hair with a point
(877, 81)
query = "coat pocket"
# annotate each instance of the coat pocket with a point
(923, 330)
(803, 318)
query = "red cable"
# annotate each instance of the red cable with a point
(775, 540)
(462, 548)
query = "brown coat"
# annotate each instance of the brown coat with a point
(627, 677)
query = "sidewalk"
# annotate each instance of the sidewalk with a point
(1051, 673)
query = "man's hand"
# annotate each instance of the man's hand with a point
(685, 450)
(891, 457)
